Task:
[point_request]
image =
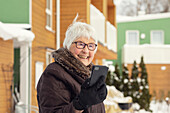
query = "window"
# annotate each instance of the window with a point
(157, 37)
(132, 37)
(49, 15)
(48, 58)
(38, 71)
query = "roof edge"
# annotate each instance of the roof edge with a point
(142, 17)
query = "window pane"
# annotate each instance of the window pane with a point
(48, 20)
(132, 38)
(49, 14)
(157, 37)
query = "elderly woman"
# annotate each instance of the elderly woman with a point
(63, 86)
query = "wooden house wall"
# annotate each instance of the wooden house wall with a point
(69, 10)
(6, 75)
(43, 38)
(98, 4)
(112, 14)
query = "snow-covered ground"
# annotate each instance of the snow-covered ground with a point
(157, 107)
(115, 96)
(160, 107)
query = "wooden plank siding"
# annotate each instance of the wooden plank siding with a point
(43, 38)
(69, 10)
(98, 4)
(112, 14)
(158, 79)
(6, 75)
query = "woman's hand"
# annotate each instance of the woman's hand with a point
(90, 95)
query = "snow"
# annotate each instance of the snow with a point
(155, 106)
(10, 32)
(160, 107)
(115, 96)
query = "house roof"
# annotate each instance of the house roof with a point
(8, 32)
(122, 19)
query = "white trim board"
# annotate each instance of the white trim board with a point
(18, 25)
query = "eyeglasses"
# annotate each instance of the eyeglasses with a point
(82, 45)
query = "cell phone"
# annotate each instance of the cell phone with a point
(97, 72)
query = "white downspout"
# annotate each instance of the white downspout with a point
(58, 24)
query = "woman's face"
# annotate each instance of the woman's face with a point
(84, 55)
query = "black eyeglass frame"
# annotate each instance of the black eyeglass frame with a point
(85, 45)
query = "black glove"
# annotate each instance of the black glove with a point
(90, 95)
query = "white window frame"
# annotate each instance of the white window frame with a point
(127, 36)
(151, 34)
(48, 58)
(38, 71)
(49, 53)
(49, 13)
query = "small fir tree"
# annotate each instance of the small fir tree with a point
(145, 99)
(110, 78)
(113, 77)
(117, 77)
(125, 81)
(135, 85)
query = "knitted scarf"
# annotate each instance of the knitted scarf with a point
(72, 65)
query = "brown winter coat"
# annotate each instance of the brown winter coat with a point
(60, 83)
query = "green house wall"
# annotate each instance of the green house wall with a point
(14, 11)
(143, 27)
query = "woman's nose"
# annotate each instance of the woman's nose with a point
(85, 49)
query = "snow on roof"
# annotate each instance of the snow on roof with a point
(8, 32)
(121, 19)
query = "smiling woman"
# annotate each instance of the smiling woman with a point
(63, 86)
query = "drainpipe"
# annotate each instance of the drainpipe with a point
(58, 24)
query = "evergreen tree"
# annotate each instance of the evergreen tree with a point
(145, 98)
(135, 85)
(110, 78)
(117, 77)
(113, 78)
(125, 81)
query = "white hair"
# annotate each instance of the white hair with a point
(77, 30)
